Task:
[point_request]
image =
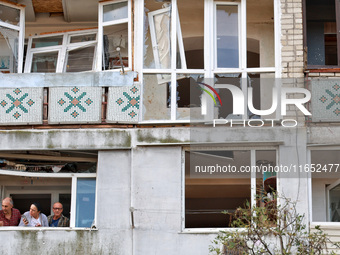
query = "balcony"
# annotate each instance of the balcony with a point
(69, 98)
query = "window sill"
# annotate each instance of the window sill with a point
(322, 70)
(12, 228)
(208, 230)
(325, 224)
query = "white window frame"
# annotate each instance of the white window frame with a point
(20, 29)
(102, 24)
(310, 187)
(239, 33)
(209, 70)
(156, 54)
(252, 176)
(331, 186)
(62, 49)
(72, 176)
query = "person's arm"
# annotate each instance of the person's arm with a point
(44, 221)
(24, 222)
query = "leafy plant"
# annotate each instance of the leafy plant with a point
(271, 229)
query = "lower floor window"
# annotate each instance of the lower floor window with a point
(325, 185)
(218, 182)
(58, 178)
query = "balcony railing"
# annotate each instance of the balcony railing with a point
(325, 100)
(78, 98)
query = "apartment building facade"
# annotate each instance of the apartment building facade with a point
(105, 107)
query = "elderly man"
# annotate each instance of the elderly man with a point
(58, 219)
(9, 216)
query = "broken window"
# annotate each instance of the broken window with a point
(114, 35)
(322, 31)
(48, 177)
(11, 37)
(179, 43)
(63, 52)
(218, 182)
(168, 55)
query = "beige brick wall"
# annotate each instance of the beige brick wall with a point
(292, 58)
(292, 39)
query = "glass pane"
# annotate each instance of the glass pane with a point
(260, 33)
(80, 60)
(226, 110)
(266, 176)
(189, 96)
(227, 36)
(9, 15)
(116, 46)
(334, 204)
(262, 99)
(326, 171)
(83, 38)
(208, 193)
(192, 27)
(85, 207)
(8, 50)
(115, 11)
(156, 98)
(157, 30)
(44, 62)
(321, 32)
(47, 41)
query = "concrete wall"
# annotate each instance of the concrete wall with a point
(145, 175)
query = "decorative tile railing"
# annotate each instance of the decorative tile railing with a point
(20, 106)
(74, 105)
(325, 100)
(73, 98)
(123, 104)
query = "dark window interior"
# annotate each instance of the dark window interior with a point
(321, 32)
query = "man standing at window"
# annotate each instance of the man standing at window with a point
(9, 216)
(58, 219)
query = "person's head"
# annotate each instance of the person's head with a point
(57, 209)
(35, 210)
(7, 205)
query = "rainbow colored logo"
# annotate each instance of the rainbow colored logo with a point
(209, 93)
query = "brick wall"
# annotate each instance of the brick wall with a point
(292, 39)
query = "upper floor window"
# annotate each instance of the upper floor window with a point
(322, 36)
(11, 37)
(184, 43)
(114, 31)
(62, 52)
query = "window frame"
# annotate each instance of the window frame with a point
(252, 150)
(102, 24)
(72, 176)
(20, 29)
(238, 4)
(209, 67)
(62, 49)
(310, 186)
(305, 39)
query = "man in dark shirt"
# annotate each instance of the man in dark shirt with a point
(9, 216)
(58, 219)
